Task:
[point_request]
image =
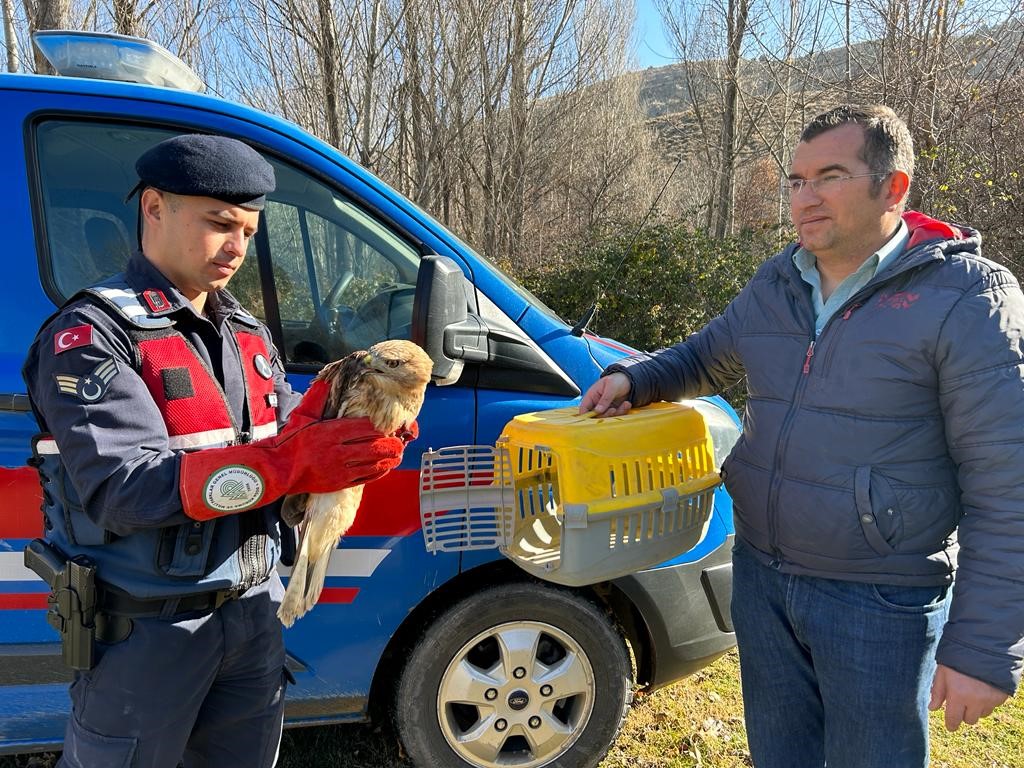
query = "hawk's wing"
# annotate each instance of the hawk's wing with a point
(343, 376)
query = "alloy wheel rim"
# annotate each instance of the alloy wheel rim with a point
(518, 694)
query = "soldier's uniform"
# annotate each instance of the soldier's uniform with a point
(127, 376)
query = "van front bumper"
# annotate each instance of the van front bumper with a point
(685, 608)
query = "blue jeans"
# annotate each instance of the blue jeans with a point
(834, 673)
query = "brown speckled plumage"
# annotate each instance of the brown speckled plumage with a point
(386, 384)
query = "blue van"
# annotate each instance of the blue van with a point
(338, 263)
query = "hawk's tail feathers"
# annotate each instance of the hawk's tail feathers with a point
(293, 605)
(317, 576)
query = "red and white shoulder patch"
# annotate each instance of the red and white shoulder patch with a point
(79, 336)
(156, 300)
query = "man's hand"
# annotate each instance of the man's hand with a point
(967, 700)
(606, 397)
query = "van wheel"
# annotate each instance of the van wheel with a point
(522, 675)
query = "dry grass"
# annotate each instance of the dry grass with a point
(699, 722)
(696, 723)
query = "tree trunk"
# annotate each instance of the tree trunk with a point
(419, 106)
(369, 79)
(10, 40)
(518, 107)
(328, 53)
(46, 14)
(784, 140)
(738, 10)
(125, 20)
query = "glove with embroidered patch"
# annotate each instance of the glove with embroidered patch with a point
(309, 456)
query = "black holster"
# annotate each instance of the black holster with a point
(71, 606)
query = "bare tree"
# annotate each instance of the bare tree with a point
(736, 29)
(127, 17)
(954, 71)
(46, 14)
(709, 39)
(793, 75)
(185, 27)
(327, 50)
(10, 39)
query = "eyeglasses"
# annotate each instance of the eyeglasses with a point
(824, 183)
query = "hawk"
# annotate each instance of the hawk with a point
(386, 384)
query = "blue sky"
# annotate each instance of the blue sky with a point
(652, 49)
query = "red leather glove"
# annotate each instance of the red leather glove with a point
(310, 408)
(408, 432)
(309, 456)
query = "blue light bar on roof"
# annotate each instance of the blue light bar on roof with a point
(106, 56)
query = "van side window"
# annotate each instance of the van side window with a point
(343, 279)
(86, 171)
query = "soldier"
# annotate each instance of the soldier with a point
(164, 452)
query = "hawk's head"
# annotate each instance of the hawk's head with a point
(401, 362)
(381, 382)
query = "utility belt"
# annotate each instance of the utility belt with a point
(83, 613)
(117, 603)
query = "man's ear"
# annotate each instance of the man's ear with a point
(152, 204)
(896, 189)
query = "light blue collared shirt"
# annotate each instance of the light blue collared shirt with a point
(807, 263)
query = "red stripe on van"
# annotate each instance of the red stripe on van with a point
(338, 595)
(22, 497)
(609, 343)
(394, 501)
(9, 602)
(390, 506)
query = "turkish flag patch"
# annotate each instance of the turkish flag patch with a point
(79, 336)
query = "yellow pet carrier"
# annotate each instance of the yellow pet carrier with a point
(576, 499)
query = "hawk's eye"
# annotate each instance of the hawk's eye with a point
(393, 363)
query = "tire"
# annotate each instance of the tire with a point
(460, 702)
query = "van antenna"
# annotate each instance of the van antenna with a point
(581, 325)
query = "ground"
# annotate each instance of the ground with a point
(696, 723)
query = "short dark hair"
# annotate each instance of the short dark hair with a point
(888, 145)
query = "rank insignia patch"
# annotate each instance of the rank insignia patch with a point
(93, 386)
(79, 336)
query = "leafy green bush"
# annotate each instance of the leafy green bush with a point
(671, 282)
(656, 290)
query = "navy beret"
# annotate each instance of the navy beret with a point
(207, 166)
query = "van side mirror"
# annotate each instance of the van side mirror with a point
(441, 322)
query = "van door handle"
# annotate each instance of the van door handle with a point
(14, 402)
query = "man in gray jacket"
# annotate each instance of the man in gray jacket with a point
(886, 391)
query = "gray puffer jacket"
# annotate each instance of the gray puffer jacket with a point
(864, 450)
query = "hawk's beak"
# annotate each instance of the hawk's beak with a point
(368, 359)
